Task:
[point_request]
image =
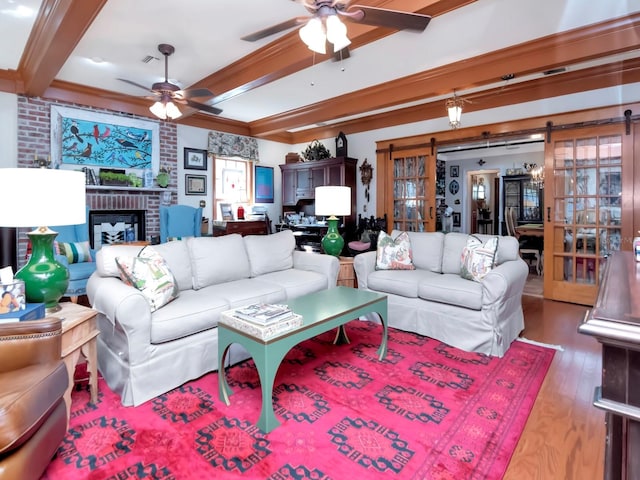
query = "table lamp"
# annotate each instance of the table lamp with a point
(333, 201)
(36, 197)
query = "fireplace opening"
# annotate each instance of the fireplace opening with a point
(115, 226)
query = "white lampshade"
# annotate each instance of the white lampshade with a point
(159, 110)
(38, 197)
(333, 201)
(172, 111)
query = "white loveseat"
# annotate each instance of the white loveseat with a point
(142, 354)
(435, 301)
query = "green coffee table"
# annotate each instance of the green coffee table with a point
(321, 311)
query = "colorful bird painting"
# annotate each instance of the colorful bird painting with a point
(75, 131)
(106, 133)
(126, 143)
(96, 134)
(87, 151)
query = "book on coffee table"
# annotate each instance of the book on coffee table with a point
(263, 332)
(263, 313)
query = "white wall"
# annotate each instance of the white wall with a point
(9, 130)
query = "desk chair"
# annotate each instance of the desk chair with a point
(177, 221)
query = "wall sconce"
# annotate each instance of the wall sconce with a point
(454, 110)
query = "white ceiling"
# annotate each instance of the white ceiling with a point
(206, 35)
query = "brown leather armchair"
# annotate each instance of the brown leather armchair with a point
(33, 379)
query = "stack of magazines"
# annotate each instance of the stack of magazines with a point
(263, 321)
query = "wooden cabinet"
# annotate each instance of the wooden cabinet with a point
(520, 193)
(299, 180)
(243, 227)
(615, 322)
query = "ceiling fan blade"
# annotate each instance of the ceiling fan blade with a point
(203, 107)
(382, 17)
(194, 93)
(135, 84)
(280, 27)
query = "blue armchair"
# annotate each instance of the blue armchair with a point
(79, 273)
(180, 221)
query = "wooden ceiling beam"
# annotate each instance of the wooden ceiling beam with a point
(58, 28)
(562, 49)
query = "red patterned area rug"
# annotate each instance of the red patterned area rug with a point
(427, 411)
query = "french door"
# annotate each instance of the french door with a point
(413, 198)
(588, 214)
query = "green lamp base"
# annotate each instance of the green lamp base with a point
(45, 279)
(332, 242)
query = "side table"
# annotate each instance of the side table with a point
(79, 332)
(346, 274)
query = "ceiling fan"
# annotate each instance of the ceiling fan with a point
(324, 23)
(166, 93)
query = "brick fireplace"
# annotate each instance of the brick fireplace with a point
(34, 140)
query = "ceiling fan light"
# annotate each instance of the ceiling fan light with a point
(312, 34)
(337, 33)
(172, 111)
(159, 110)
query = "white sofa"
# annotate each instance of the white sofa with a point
(435, 301)
(142, 354)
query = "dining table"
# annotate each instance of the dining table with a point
(530, 230)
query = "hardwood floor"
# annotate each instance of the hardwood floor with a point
(564, 436)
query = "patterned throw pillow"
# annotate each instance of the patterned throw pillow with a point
(149, 273)
(478, 258)
(394, 254)
(76, 252)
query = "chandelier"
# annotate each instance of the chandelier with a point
(537, 174)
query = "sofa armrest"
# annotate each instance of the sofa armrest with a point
(364, 264)
(327, 265)
(504, 281)
(124, 306)
(30, 342)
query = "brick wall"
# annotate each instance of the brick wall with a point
(34, 139)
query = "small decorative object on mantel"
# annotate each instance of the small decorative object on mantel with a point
(316, 151)
(341, 145)
(366, 174)
(163, 178)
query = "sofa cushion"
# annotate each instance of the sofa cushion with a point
(246, 291)
(149, 273)
(451, 289)
(270, 253)
(454, 243)
(296, 282)
(193, 312)
(478, 258)
(394, 253)
(176, 254)
(106, 258)
(217, 260)
(398, 282)
(426, 249)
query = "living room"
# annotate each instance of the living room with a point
(497, 110)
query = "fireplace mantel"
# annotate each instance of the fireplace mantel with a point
(129, 189)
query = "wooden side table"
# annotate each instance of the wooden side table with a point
(79, 332)
(346, 274)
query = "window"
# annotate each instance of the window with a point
(232, 181)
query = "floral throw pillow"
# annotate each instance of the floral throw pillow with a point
(394, 254)
(149, 273)
(478, 258)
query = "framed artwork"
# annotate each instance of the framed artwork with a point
(456, 219)
(454, 186)
(454, 170)
(263, 188)
(225, 210)
(83, 138)
(195, 184)
(195, 159)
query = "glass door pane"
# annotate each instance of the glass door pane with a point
(414, 187)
